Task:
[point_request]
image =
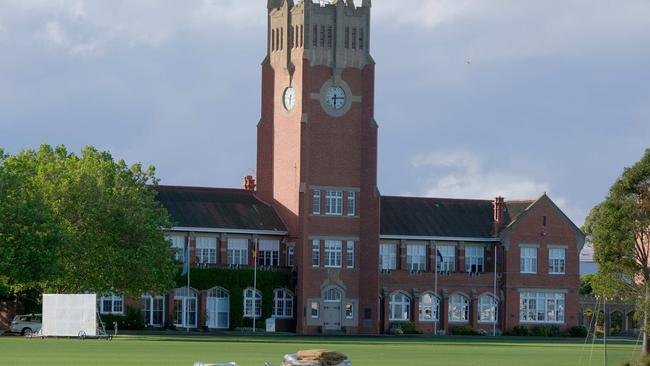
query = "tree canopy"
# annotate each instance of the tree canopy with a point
(81, 223)
(619, 228)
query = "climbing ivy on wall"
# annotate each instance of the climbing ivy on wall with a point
(236, 281)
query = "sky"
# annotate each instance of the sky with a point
(474, 98)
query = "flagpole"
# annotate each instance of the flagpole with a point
(496, 302)
(255, 284)
(187, 324)
(435, 323)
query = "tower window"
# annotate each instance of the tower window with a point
(354, 38)
(272, 39)
(314, 36)
(361, 40)
(301, 33)
(322, 36)
(281, 38)
(290, 37)
(330, 33)
(347, 37)
(277, 39)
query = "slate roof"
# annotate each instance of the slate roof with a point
(443, 217)
(197, 207)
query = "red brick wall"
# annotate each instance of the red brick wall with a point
(529, 230)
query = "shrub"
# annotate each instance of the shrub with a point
(546, 331)
(131, 320)
(578, 331)
(466, 331)
(520, 330)
(408, 328)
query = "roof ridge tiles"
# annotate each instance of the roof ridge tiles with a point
(440, 198)
(200, 188)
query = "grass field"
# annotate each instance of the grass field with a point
(253, 351)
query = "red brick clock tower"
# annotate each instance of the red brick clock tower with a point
(317, 158)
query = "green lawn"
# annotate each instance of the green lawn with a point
(249, 351)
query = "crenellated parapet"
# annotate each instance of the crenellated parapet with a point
(328, 33)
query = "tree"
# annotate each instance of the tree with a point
(29, 235)
(110, 224)
(620, 231)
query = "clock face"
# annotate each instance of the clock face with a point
(335, 97)
(289, 98)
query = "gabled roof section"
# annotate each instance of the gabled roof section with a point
(517, 205)
(218, 208)
(436, 217)
(516, 208)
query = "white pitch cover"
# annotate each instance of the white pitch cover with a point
(68, 315)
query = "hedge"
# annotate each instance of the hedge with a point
(235, 281)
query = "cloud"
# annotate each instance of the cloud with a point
(462, 174)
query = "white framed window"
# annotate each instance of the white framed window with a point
(400, 307)
(429, 307)
(352, 203)
(446, 258)
(269, 253)
(206, 250)
(458, 308)
(388, 256)
(185, 306)
(153, 312)
(111, 304)
(416, 257)
(315, 202)
(333, 253)
(218, 308)
(349, 250)
(252, 303)
(238, 251)
(474, 259)
(487, 308)
(315, 253)
(178, 243)
(528, 261)
(314, 310)
(282, 303)
(291, 255)
(556, 260)
(334, 203)
(541, 307)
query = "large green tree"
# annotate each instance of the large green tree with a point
(619, 228)
(101, 219)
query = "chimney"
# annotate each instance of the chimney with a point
(499, 212)
(249, 183)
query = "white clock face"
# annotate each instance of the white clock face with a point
(289, 98)
(335, 97)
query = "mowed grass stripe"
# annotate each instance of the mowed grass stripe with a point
(253, 351)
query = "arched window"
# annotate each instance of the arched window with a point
(458, 308)
(400, 307)
(217, 309)
(487, 308)
(252, 303)
(282, 303)
(185, 303)
(333, 295)
(429, 307)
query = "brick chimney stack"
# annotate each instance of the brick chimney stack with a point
(499, 213)
(249, 183)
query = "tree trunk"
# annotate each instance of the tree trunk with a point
(645, 349)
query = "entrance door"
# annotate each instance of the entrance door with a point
(332, 310)
(217, 309)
